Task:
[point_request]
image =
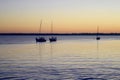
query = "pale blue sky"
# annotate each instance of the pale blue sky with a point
(44, 6)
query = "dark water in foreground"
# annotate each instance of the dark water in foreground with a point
(70, 58)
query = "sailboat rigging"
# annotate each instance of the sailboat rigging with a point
(40, 39)
(52, 38)
(97, 38)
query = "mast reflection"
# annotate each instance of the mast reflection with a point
(41, 47)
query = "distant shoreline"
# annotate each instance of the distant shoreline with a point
(114, 34)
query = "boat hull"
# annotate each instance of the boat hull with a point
(53, 39)
(98, 38)
(41, 39)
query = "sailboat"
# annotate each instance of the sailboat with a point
(40, 39)
(52, 39)
(97, 38)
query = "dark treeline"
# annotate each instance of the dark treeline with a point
(59, 34)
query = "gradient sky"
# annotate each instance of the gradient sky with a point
(68, 16)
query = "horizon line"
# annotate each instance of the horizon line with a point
(59, 33)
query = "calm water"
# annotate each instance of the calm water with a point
(70, 58)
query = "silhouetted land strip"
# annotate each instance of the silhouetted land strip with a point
(66, 34)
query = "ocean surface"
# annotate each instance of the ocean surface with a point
(70, 58)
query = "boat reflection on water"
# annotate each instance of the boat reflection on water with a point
(41, 47)
(45, 53)
(97, 50)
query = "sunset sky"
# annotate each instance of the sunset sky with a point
(68, 16)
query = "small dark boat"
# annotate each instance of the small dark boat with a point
(40, 39)
(52, 39)
(97, 38)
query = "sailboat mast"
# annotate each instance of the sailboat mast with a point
(40, 26)
(51, 27)
(97, 30)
